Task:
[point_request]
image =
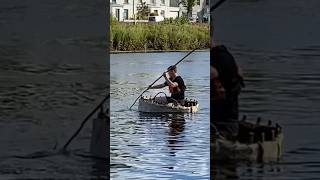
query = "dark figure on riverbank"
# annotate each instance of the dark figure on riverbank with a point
(226, 83)
(175, 83)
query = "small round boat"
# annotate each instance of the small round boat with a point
(160, 105)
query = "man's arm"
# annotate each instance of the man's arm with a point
(214, 73)
(159, 86)
(218, 89)
(169, 82)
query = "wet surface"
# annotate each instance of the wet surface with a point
(277, 46)
(52, 74)
(158, 146)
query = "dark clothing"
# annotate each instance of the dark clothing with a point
(177, 93)
(224, 114)
(224, 111)
(226, 66)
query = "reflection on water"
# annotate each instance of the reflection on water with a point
(277, 45)
(175, 124)
(158, 146)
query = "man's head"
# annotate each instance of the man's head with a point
(172, 70)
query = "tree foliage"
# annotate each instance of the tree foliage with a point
(143, 11)
(189, 4)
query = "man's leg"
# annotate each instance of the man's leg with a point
(224, 115)
(232, 114)
(161, 100)
(172, 100)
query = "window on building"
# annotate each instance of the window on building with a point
(162, 13)
(207, 2)
(126, 1)
(198, 2)
(118, 14)
(140, 1)
(174, 3)
(156, 12)
(163, 1)
(153, 1)
(114, 1)
(125, 14)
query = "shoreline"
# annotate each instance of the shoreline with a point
(156, 51)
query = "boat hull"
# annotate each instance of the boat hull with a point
(150, 106)
(261, 150)
(269, 151)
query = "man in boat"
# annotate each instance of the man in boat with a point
(175, 83)
(226, 84)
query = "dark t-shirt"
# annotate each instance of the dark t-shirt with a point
(176, 94)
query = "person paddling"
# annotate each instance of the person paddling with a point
(226, 84)
(175, 83)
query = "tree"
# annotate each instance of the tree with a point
(188, 4)
(143, 11)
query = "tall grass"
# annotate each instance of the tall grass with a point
(160, 36)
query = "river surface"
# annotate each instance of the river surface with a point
(150, 146)
(277, 44)
(53, 72)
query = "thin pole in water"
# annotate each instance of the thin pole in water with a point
(85, 120)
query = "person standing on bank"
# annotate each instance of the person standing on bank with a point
(226, 84)
(175, 83)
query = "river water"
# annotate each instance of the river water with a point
(278, 47)
(53, 72)
(145, 146)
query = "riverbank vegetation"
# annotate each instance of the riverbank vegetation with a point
(171, 34)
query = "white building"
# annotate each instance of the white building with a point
(201, 10)
(125, 9)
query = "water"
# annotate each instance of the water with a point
(52, 73)
(158, 146)
(278, 47)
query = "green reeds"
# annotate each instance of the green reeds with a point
(158, 36)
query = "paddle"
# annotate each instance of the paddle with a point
(160, 77)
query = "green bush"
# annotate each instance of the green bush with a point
(177, 21)
(113, 21)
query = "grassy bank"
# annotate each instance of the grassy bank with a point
(160, 36)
